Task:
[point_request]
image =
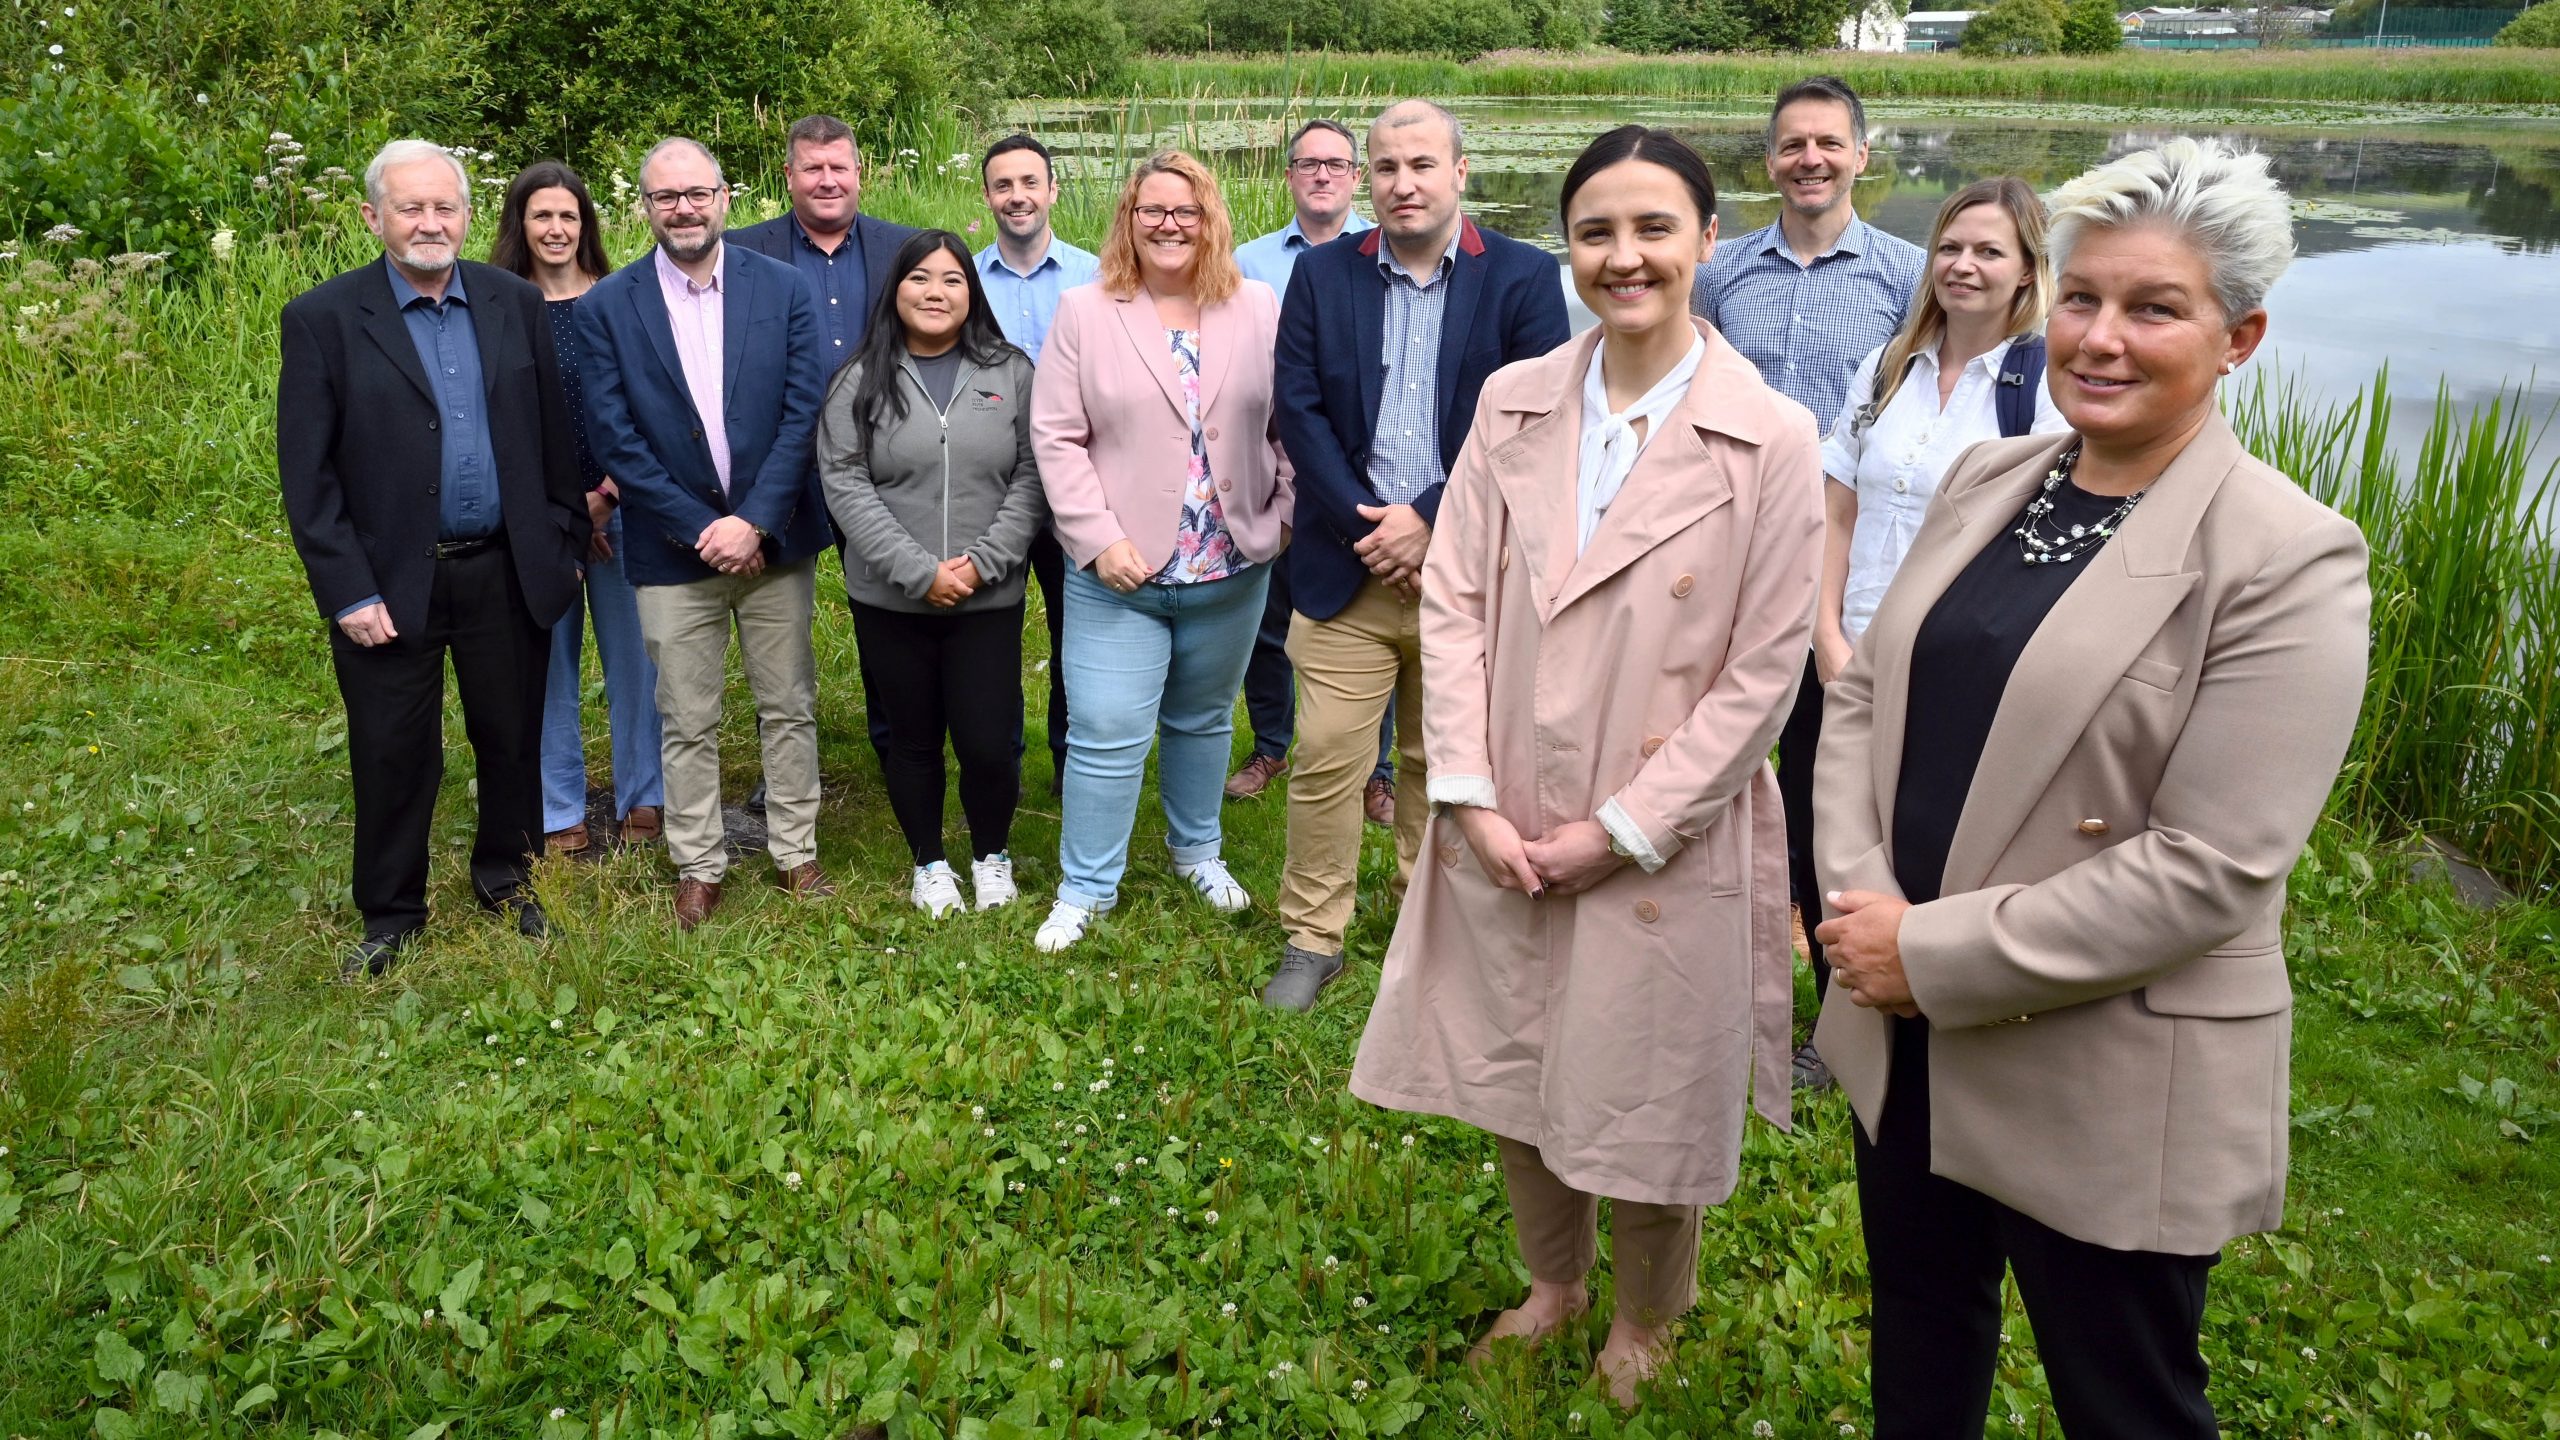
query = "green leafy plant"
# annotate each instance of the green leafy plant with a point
(2090, 27)
(2012, 28)
(2538, 27)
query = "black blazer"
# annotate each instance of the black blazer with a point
(1506, 303)
(358, 454)
(880, 242)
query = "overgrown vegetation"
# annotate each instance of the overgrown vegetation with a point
(2536, 28)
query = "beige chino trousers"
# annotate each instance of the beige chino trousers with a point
(1347, 668)
(1654, 1247)
(687, 628)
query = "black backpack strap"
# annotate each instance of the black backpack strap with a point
(2021, 378)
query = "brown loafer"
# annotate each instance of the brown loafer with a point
(572, 841)
(695, 900)
(1379, 799)
(645, 825)
(1256, 776)
(805, 881)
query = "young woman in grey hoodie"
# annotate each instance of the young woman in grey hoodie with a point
(924, 451)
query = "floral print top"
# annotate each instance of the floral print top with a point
(1202, 548)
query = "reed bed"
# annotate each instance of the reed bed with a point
(2423, 77)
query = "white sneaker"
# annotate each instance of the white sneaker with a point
(992, 878)
(1065, 926)
(1216, 886)
(937, 890)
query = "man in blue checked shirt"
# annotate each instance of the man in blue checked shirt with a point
(1024, 272)
(1806, 298)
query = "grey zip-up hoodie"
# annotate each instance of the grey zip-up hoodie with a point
(916, 491)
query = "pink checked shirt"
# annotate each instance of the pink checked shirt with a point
(696, 313)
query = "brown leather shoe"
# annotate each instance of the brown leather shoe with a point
(805, 881)
(695, 900)
(1379, 799)
(645, 825)
(572, 841)
(1256, 776)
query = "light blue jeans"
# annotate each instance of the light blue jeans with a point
(1159, 667)
(630, 698)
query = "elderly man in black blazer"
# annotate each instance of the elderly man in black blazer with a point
(432, 484)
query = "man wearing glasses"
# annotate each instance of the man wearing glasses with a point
(1386, 338)
(709, 437)
(1324, 171)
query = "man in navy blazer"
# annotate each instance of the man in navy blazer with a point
(703, 381)
(1386, 337)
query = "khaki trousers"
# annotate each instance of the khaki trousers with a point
(1655, 1247)
(686, 628)
(1348, 667)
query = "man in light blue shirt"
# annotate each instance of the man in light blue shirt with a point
(1805, 299)
(1023, 273)
(1027, 267)
(1324, 173)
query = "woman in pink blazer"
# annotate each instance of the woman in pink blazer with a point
(1152, 419)
(1592, 961)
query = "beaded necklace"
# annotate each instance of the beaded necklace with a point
(2065, 547)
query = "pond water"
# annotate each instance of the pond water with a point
(2428, 239)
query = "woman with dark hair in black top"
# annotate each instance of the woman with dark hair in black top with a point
(548, 232)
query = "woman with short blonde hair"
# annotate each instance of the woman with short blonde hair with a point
(2063, 779)
(1152, 419)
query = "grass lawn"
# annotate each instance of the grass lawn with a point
(828, 1170)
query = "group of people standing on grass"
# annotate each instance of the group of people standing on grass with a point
(2057, 676)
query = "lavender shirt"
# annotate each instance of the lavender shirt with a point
(695, 313)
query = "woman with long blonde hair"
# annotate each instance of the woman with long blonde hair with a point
(1152, 419)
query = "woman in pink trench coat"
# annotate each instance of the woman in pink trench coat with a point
(1592, 961)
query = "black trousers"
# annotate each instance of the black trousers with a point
(2116, 1329)
(394, 695)
(955, 676)
(1049, 568)
(1270, 685)
(1796, 744)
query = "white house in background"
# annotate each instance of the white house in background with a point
(1935, 29)
(1877, 27)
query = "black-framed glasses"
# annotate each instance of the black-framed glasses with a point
(699, 197)
(1183, 216)
(1333, 165)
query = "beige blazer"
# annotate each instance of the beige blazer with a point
(2104, 977)
(1618, 1030)
(1113, 437)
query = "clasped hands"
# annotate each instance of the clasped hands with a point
(732, 547)
(1394, 550)
(1864, 946)
(1569, 860)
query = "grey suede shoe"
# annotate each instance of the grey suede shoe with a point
(1811, 1075)
(1303, 976)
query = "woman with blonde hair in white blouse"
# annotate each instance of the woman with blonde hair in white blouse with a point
(1968, 365)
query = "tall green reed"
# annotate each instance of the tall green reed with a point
(2466, 611)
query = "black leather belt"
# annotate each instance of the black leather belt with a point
(457, 549)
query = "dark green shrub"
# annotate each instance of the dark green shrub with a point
(2537, 28)
(1062, 47)
(2090, 27)
(104, 168)
(2015, 27)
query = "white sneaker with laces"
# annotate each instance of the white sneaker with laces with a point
(1216, 886)
(937, 890)
(991, 877)
(1065, 926)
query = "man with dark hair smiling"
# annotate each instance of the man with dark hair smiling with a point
(1804, 298)
(1024, 272)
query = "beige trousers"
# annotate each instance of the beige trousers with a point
(686, 628)
(1655, 1247)
(1347, 668)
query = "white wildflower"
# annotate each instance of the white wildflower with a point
(791, 1180)
(1763, 1429)
(1208, 1217)
(1228, 1309)
(977, 1112)
(65, 233)
(1331, 1262)
(559, 1024)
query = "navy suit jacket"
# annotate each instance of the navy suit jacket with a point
(880, 241)
(644, 433)
(1505, 303)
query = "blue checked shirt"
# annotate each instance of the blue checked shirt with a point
(1024, 305)
(1404, 454)
(1808, 326)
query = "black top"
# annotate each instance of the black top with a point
(939, 373)
(1960, 664)
(564, 342)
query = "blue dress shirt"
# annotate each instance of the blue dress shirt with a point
(841, 288)
(1024, 304)
(1272, 258)
(1807, 326)
(449, 350)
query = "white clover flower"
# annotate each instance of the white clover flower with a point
(1285, 1367)
(1120, 1169)
(1488, 1167)
(53, 50)
(1228, 1309)
(558, 1413)
(1208, 1217)
(1108, 1062)
(203, 99)
(1359, 1302)
(1173, 1212)
(1115, 1199)
(977, 1112)
(1763, 1429)
(521, 1062)
(2310, 1354)
(1385, 1329)
(1056, 1086)
(1331, 1262)
(381, 1054)
(492, 1040)
(1137, 1049)
(1408, 1142)
(791, 1180)
(427, 1317)
(559, 1024)
(1079, 1129)
(697, 1032)
(1359, 1387)
(355, 1114)
(988, 1133)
